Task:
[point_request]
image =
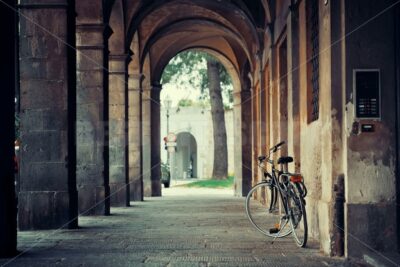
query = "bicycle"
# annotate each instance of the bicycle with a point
(270, 216)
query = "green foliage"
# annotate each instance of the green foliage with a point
(188, 62)
(212, 183)
(185, 103)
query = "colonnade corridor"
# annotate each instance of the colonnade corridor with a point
(185, 227)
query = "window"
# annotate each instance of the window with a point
(313, 59)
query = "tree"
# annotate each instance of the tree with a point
(214, 77)
(220, 166)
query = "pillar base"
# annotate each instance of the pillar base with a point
(136, 191)
(118, 196)
(92, 200)
(156, 188)
(43, 210)
(147, 192)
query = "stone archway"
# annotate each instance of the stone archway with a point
(185, 158)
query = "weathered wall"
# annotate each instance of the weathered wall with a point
(315, 146)
(321, 153)
(370, 157)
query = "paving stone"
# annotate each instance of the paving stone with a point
(185, 227)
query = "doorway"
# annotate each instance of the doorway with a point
(185, 156)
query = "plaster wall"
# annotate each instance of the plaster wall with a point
(370, 157)
(192, 120)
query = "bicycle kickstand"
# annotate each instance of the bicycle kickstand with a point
(277, 234)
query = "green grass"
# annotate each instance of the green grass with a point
(212, 183)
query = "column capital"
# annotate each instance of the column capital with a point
(156, 87)
(146, 89)
(246, 93)
(118, 57)
(136, 76)
(134, 82)
(90, 36)
(89, 27)
(117, 64)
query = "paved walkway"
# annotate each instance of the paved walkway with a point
(186, 227)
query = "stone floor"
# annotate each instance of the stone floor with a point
(185, 227)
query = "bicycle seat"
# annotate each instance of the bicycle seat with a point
(261, 158)
(283, 160)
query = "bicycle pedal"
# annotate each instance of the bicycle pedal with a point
(273, 230)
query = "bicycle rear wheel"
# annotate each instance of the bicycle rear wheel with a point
(298, 217)
(265, 212)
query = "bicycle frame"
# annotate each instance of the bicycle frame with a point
(281, 187)
(291, 190)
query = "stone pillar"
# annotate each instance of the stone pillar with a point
(242, 109)
(119, 191)
(253, 101)
(92, 179)
(274, 98)
(135, 138)
(47, 197)
(146, 141)
(247, 147)
(237, 116)
(155, 142)
(293, 107)
(8, 209)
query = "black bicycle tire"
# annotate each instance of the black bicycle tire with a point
(250, 217)
(301, 202)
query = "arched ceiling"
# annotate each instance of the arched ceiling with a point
(166, 27)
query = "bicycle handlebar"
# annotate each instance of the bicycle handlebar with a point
(275, 148)
(271, 150)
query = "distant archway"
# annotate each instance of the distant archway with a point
(185, 158)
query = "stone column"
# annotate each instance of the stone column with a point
(47, 197)
(92, 179)
(242, 109)
(155, 141)
(8, 208)
(247, 147)
(237, 111)
(293, 142)
(135, 138)
(146, 141)
(117, 131)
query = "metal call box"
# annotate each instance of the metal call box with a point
(367, 91)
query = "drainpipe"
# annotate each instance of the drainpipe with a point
(338, 217)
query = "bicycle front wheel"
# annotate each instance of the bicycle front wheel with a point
(298, 217)
(265, 212)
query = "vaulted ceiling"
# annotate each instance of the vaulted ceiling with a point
(164, 28)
